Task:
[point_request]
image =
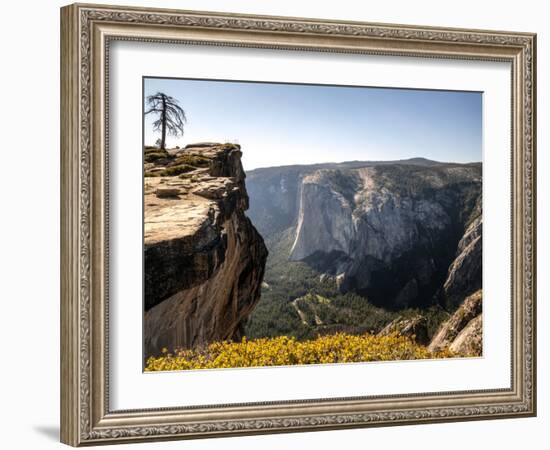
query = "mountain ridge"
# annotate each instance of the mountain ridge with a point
(418, 160)
(389, 231)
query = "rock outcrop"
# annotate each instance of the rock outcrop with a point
(462, 332)
(470, 340)
(386, 231)
(204, 260)
(464, 275)
(415, 327)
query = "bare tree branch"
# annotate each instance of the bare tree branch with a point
(171, 119)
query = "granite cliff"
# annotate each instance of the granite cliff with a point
(402, 234)
(204, 260)
(464, 274)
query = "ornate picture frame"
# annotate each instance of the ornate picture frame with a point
(87, 31)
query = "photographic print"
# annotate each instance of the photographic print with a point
(290, 224)
(292, 202)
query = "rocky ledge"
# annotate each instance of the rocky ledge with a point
(462, 333)
(204, 260)
(414, 327)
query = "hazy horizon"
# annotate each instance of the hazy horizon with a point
(294, 124)
(363, 161)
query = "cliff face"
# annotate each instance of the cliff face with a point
(399, 233)
(204, 260)
(276, 190)
(464, 275)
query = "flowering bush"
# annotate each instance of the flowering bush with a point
(283, 350)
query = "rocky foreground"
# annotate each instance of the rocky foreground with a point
(461, 334)
(204, 260)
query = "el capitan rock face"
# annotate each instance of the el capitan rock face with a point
(204, 260)
(403, 234)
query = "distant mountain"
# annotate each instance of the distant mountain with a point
(403, 233)
(308, 168)
(348, 165)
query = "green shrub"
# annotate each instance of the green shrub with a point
(155, 156)
(193, 160)
(176, 170)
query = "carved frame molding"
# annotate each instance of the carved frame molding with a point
(86, 31)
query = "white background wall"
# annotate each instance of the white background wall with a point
(29, 227)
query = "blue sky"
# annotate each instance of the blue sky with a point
(280, 124)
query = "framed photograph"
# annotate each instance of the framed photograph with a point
(276, 224)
